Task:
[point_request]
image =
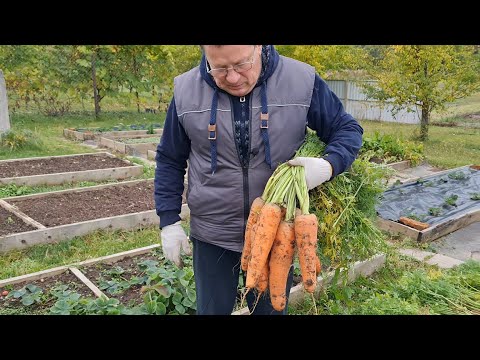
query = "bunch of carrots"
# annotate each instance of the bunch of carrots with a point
(279, 223)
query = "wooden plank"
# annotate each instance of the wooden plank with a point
(400, 165)
(34, 276)
(448, 226)
(151, 154)
(397, 228)
(129, 170)
(87, 282)
(27, 219)
(75, 190)
(69, 231)
(60, 269)
(140, 148)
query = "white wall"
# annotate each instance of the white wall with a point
(356, 104)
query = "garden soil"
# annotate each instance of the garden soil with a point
(59, 165)
(12, 224)
(72, 207)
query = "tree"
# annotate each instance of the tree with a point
(328, 60)
(428, 76)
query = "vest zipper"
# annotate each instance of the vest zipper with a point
(246, 193)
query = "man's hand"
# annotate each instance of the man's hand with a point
(317, 170)
(173, 238)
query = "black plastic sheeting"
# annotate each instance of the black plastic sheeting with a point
(427, 199)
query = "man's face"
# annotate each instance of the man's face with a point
(246, 59)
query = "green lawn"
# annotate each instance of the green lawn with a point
(447, 147)
(50, 130)
(464, 112)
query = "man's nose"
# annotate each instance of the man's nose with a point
(232, 75)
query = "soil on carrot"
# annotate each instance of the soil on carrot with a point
(12, 224)
(59, 165)
(46, 298)
(122, 280)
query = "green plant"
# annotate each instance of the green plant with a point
(19, 139)
(451, 200)
(387, 148)
(457, 175)
(14, 190)
(28, 294)
(169, 290)
(475, 196)
(434, 211)
(150, 129)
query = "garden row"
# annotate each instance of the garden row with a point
(61, 215)
(137, 281)
(140, 143)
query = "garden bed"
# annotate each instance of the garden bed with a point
(125, 276)
(77, 212)
(83, 135)
(432, 206)
(55, 170)
(131, 145)
(12, 224)
(122, 276)
(37, 296)
(122, 280)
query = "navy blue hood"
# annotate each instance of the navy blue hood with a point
(270, 58)
(269, 63)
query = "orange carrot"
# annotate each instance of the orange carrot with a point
(252, 220)
(262, 284)
(268, 222)
(281, 258)
(306, 227)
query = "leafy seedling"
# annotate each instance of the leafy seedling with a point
(451, 200)
(457, 175)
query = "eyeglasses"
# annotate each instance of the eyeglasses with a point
(239, 68)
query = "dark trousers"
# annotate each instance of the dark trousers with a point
(216, 272)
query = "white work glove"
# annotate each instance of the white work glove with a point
(317, 170)
(173, 238)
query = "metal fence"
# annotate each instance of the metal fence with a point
(356, 103)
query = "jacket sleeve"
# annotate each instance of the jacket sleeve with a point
(171, 162)
(337, 129)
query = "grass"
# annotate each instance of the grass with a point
(464, 112)
(50, 130)
(100, 243)
(404, 286)
(447, 147)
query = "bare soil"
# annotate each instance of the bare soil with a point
(12, 224)
(72, 207)
(59, 165)
(123, 270)
(12, 305)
